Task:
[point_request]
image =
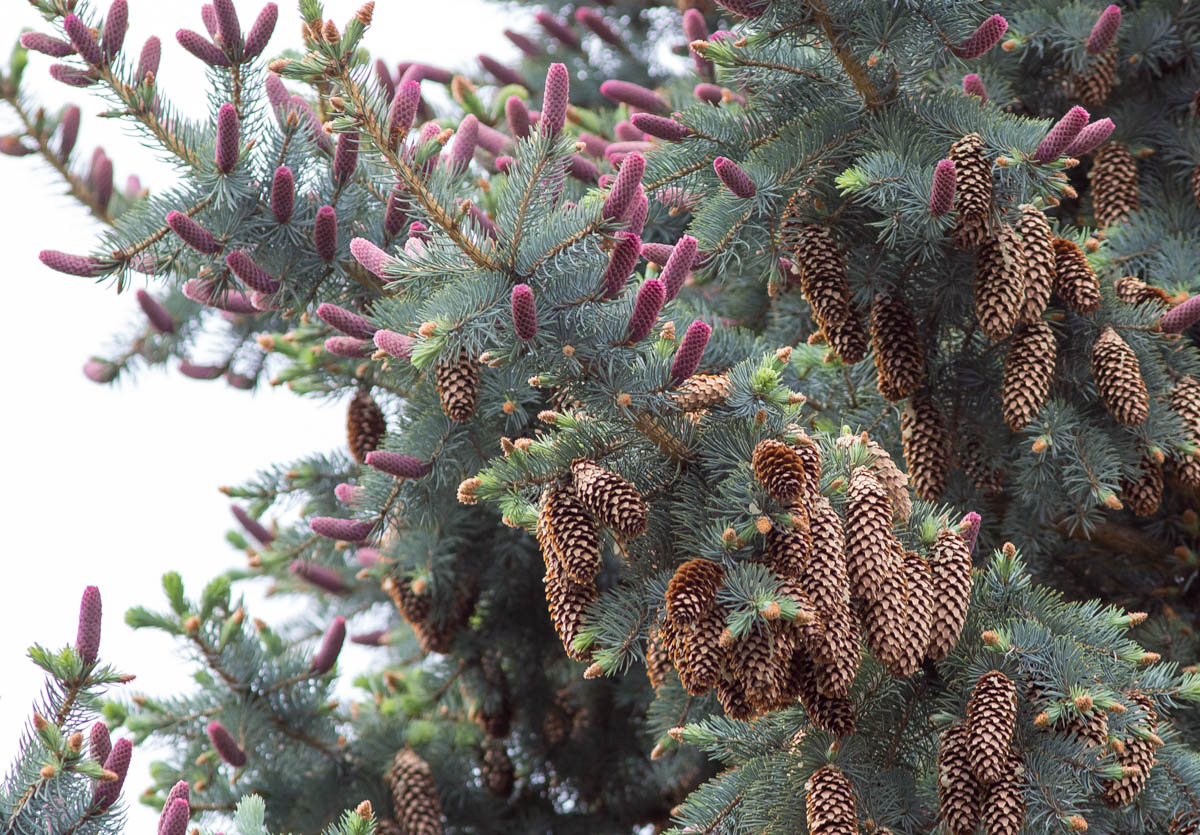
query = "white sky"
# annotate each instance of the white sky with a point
(115, 486)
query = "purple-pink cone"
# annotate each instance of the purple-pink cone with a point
(231, 301)
(634, 95)
(524, 312)
(638, 211)
(969, 530)
(558, 30)
(625, 187)
(100, 178)
(323, 578)
(82, 40)
(383, 77)
(376, 638)
(47, 45)
(691, 350)
(554, 100)
(394, 217)
(657, 253)
(115, 24)
(148, 59)
(626, 131)
(277, 93)
(100, 371)
(972, 85)
(348, 494)
(228, 138)
(1090, 138)
(709, 93)
(1061, 135)
(1105, 31)
(676, 270)
(595, 21)
(331, 646)
(99, 743)
(174, 818)
(941, 196)
(226, 745)
(160, 320)
(87, 636)
(624, 258)
(397, 344)
(117, 762)
(400, 466)
(343, 320)
(746, 8)
(208, 14)
(695, 29)
(403, 110)
(982, 39)
(419, 230)
(370, 257)
(70, 264)
(68, 129)
(582, 169)
(179, 791)
(192, 233)
(344, 530)
(200, 372)
(516, 113)
(72, 77)
(734, 178)
(502, 73)
(304, 110)
(250, 273)
(252, 526)
(1182, 316)
(349, 347)
(229, 28)
(260, 32)
(523, 43)
(202, 48)
(593, 145)
(465, 140)
(325, 233)
(283, 194)
(649, 302)
(345, 158)
(661, 127)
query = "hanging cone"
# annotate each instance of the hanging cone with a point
(1074, 281)
(658, 659)
(1038, 243)
(977, 462)
(894, 482)
(1132, 290)
(847, 341)
(959, 793)
(1092, 88)
(885, 620)
(1119, 379)
(779, 469)
(1004, 801)
(1113, 181)
(566, 600)
(918, 580)
(702, 391)
(991, 715)
(701, 661)
(807, 631)
(734, 699)
(458, 387)
(788, 546)
(810, 454)
(973, 197)
(1028, 372)
(568, 536)
(791, 224)
(834, 714)
(615, 501)
(496, 769)
(752, 662)
(870, 558)
(950, 568)
(692, 590)
(414, 795)
(826, 584)
(829, 803)
(823, 275)
(899, 355)
(926, 447)
(1143, 495)
(365, 426)
(1137, 759)
(1185, 402)
(1000, 268)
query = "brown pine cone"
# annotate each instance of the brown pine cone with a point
(950, 568)
(991, 716)
(1113, 181)
(1000, 274)
(1143, 495)
(918, 581)
(693, 590)
(899, 355)
(1185, 402)
(885, 619)
(437, 635)
(893, 481)
(752, 661)
(567, 602)
(810, 454)
(568, 536)
(1132, 290)
(825, 581)
(414, 795)
(734, 699)
(977, 463)
(658, 658)
(1004, 800)
(829, 803)
(1074, 281)
(1028, 372)
(701, 392)
(835, 676)
(788, 546)
(702, 662)
(870, 556)
(1196, 184)
(779, 469)
(387, 826)
(807, 630)
(973, 192)
(458, 386)
(1137, 759)
(412, 606)
(1038, 242)
(823, 275)
(496, 768)
(834, 714)
(365, 425)
(791, 226)
(960, 796)
(926, 447)
(1092, 87)
(848, 340)
(613, 500)
(1119, 379)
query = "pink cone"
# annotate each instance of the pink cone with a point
(202, 48)
(970, 530)
(192, 233)
(252, 526)
(649, 302)
(634, 95)
(250, 273)
(524, 312)
(555, 99)
(228, 138)
(1090, 138)
(349, 347)
(465, 140)
(400, 466)
(1061, 135)
(83, 41)
(403, 110)
(318, 575)
(99, 742)
(345, 530)
(1105, 31)
(45, 44)
(972, 85)
(345, 158)
(87, 635)
(625, 188)
(117, 762)
(331, 646)
(690, 352)
(260, 32)
(343, 320)
(558, 30)
(696, 29)
(396, 344)
(100, 371)
(502, 73)
(174, 818)
(159, 318)
(622, 260)
(325, 233)
(661, 127)
(595, 21)
(982, 39)
(283, 194)
(676, 270)
(372, 258)
(941, 196)
(148, 59)
(734, 178)
(226, 745)
(1182, 316)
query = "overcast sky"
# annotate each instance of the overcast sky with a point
(114, 486)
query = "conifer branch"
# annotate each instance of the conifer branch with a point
(854, 70)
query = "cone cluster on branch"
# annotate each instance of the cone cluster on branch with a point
(973, 193)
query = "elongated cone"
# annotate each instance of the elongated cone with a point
(117, 762)
(400, 466)
(403, 110)
(83, 40)
(1181, 317)
(1061, 135)
(159, 318)
(415, 795)
(871, 559)
(365, 425)
(331, 646)
(982, 39)
(252, 526)
(622, 260)
(950, 568)
(70, 264)
(991, 716)
(558, 30)
(325, 233)
(115, 23)
(1028, 372)
(1090, 138)
(613, 500)
(734, 178)
(1094, 86)
(835, 714)
(568, 536)
(1037, 244)
(43, 43)
(465, 140)
(918, 581)
(885, 619)
(829, 802)
(650, 298)
(458, 386)
(260, 32)
(345, 321)
(634, 95)
(678, 265)
(1074, 281)
(941, 195)
(318, 575)
(899, 354)
(692, 590)
(1113, 181)
(973, 192)
(690, 351)
(554, 100)
(222, 740)
(1143, 494)
(1004, 801)
(99, 742)
(345, 530)
(663, 127)
(283, 194)
(960, 796)
(345, 158)
(87, 635)
(228, 138)
(1104, 32)
(1119, 379)
(972, 85)
(567, 602)
(1000, 268)
(624, 189)
(174, 818)
(926, 446)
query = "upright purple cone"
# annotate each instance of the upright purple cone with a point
(982, 39)
(260, 32)
(155, 312)
(115, 24)
(625, 187)
(941, 196)
(252, 526)
(1090, 138)
(1061, 135)
(99, 742)
(679, 264)
(649, 302)
(192, 233)
(325, 233)
(148, 59)
(283, 194)
(969, 529)
(87, 635)
(228, 138)
(226, 745)
(734, 178)
(691, 350)
(465, 140)
(117, 762)
(174, 818)
(524, 312)
(1105, 31)
(331, 647)
(250, 273)
(345, 158)
(621, 261)
(972, 85)
(554, 100)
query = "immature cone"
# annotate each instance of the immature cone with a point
(318, 575)
(566, 602)
(649, 302)
(999, 282)
(918, 617)
(1113, 181)
(972, 85)
(414, 795)
(226, 745)
(458, 386)
(829, 803)
(959, 793)
(524, 312)
(159, 318)
(1094, 86)
(950, 570)
(343, 530)
(325, 233)
(1074, 281)
(734, 178)
(982, 39)
(1181, 317)
(174, 818)
(885, 619)
(679, 264)
(926, 447)
(973, 192)
(554, 100)
(331, 646)
(613, 500)
(622, 260)
(1119, 379)
(1137, 759)
(250, 273)
(690, 351)
(899, 355)
(701, 392)
(671, 131)
(779, 469)
(117, 762)
(252, 526)
(87, 634)
(823, 275)
(64, 262)
(1090, 138)
(1037, 243)
(283, 194)
(941, 196)
(345, 321)
(991, 715)
(693, 590)
(83, 40)
(179, 791)
(624, 189)
(1061, 135)
(260, 32)
(99, 742)
(43, 43)
(626, 92)
(1028, 371)
(1104, 32)
(870, 555)
(567, 535)
(228, 140)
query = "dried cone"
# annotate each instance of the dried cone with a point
(834, 714)
(950, 568)
(1000, 267)
(926, 447)
(702, 391)
(1132, 290)
(1093, 87)
(973, 197)
(991, 716)
(779, 469)
(885, 620)
(807, 631)
(1074, 281)
(458, 387)
(566, 601)
(496, 768)
(1196, 184)
(885, 469)
(810, 454)
(870, 555)
(826, 583)
(658, 659)
(1028, 371)
(1113, 181)
(752, 662)
(1137, 759)
(1143, 495)
(848, 340)
(1038, 243)
(568, 536)
(365, 426)
(899, 355)
(829, 803)
(693, 590)
(919, 584)
(959, 793)
(702, 659)
(1185, 402)
(1004, 801)
(734, 699)
(977, 463)
(823, 275)
(415, 795)
(1119, 379)
(615, 501)
(788, 545)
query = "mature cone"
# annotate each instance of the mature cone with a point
(894, 482)
(972, 193)
(412, 606)
(834, 714)
(1132, 290)
(779, 469)
(1092, 88)
(885, 619)
(1028, 371)
(1113, 180)
(788, 546)
(567, 535)
(825, 581)
(791, 226)
(849, 339)
(365, 425)
(658, 658)
(702, 391)
(959, 793)
(1000, 268)
(870, 555)
(496, 713)
(702, 662)
(977, 463)
(566, 601)
(899, 355)
(807, 630)
(387, 826)
(1119, 379)
(810, 454)
(436, 635)
(823, 275)
(829, 803)
(693, 590)
(1038, 243)
(414, 795)
(735, 701)
(919, 584)
(1185, 402)
(835, 677)
(950, 568)
(1074, 280)
(458, 386)
(752, 661)
(1137, 759)
(1004, 800)
(496, 768)
(615, 501)
(991, 716)
(1143, 495)
(926, 447)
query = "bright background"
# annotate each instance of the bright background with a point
(113, 486)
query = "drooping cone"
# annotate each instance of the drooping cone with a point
(414, 795)
(991, 716)
(701, 661)
(566, 600)
(870, 556)
(848, 341)
(825, 581)
(1119, 379)
(734, 699)
(1113, 181)
(458, 386)
(894, 482)
(1074, 281)
(615, 501)
(1028, 372)
(810, 454)
(365, 425)
(829, 713)
(496, 768)
(1000, 267)
(1093, 87)
(1196, 184)
(918, 581)
(779, 469)
(1038, 243)
(658, 659)
(1137, 759)
(567, 535)
(1143, 495)
(1132, 290)
(807, 631)
(1004, 801)
(788, 546)
(959, 793)
(885, 619)
(693, 590)
(926, 447)
(899, 355)
(702, 391)
(1185, 402)
(412, 606)
(752, 662)
(978, 462)
(973, 197)
(823, 275)
(829, 803)
(950, 568)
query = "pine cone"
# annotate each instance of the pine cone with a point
(1113, 181)
(894, 482)
(437, 635)
(976, 462)
(1000, 268)
(791, 225)
(615, 501)
(414, 795)
(807, 630)
(824, 581)
(835, 677)
(991, 716)
(823, 276)
(1074, 280)
(899, 355)
(412, 606)
(918, 581)
(926, 447)
(834, 714)
(458, 386)
(701, 392)
(693, 590)
(885, 619)
(752, 662)
(870, 556)
(779, 469)
(950, 567)
(734, 699)
(788, 546)
(1143, 495)
(658, 658)
(387, 826)
(973, 196)
(1185, 402)
(847, 340)
(829, 803)
(496, 708)
(1093, 87)
(568, 536)
(702, 662)
(496, 768)
(1028, 372)
(810, 454)
(959, 793)
(1137, 759)
(365, 425)
(1119, 379)
(1132, 290)
(1196, 184)
(1038, 242)
(567, 600)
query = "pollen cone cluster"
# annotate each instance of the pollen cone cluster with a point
(365, 426)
